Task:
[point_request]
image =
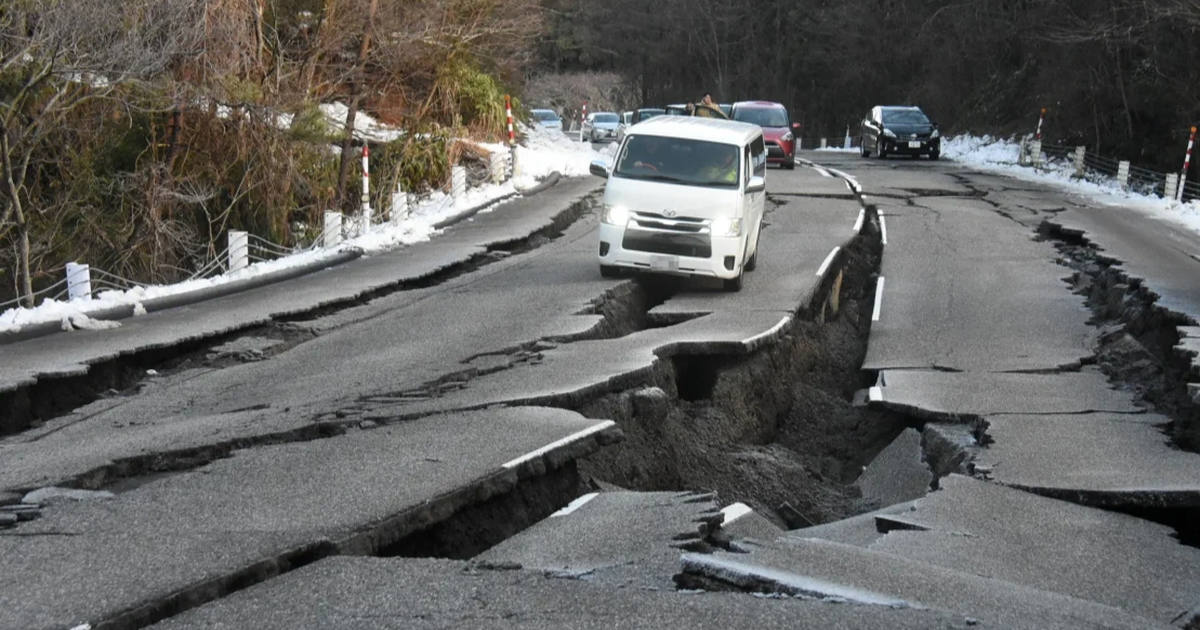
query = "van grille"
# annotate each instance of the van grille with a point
(659, 222)
(678, 244)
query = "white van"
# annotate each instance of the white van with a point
(684, 197)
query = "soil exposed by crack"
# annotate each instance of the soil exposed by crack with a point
(1138, 338)
(777, 428)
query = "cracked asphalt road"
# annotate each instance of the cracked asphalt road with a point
(975, 327)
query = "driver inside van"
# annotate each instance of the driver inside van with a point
(722, 169)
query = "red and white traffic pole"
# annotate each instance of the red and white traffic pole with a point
(1041, 119)
(366, 190)
(1187, 162)
(512, 136)
(582, 118)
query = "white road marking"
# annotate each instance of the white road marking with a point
(862, 215)
(734, 512)
(596, 428)
(875, 394)
(823, 171)
(576, 504)
(878, 300)
(883, 229)
(828, 261)
(850, 180)
(766, 333)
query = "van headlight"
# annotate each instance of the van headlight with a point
(615, 215)
(726, 227)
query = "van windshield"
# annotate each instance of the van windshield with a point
(679, 161)
(762, 116)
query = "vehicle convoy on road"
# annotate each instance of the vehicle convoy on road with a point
(777, 129)
(685, 197)
(899, 130)
(601, 127)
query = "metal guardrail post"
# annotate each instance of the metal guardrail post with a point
(1080, 156)
(239, 250)
(458, 182)
(79, 281)
(1035, 149)
(333, 229)
(1171, 186)
(1123, 174)
(399, 210)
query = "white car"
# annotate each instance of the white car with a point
(601, 127)
(547, 119)
(685, 196)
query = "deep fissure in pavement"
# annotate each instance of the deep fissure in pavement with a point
(780, 428)
(1138, 338)
(34, 404)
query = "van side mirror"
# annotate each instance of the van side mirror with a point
(599, 168)
(757, 183)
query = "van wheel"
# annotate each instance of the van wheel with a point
(610, 271)
(752, 262)
(733, 285)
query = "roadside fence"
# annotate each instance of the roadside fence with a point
(81, 281)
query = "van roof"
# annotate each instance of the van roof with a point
(694, 128)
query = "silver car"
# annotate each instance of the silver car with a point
(601, 127)
(547, 119)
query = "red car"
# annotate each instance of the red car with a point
(777, 128)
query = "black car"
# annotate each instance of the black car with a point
(901, 130)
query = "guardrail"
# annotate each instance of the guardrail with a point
(1090, 166)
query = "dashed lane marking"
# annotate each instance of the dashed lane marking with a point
(883, 229)
(576, 504)
(596, 428)
(862, 216)
(828, 261)
(878, 300)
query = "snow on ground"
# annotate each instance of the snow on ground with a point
(1000, 156)
(544, 153)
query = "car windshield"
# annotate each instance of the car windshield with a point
(904, 117)
(679, 161)
(647, 114)
(545, 115)
(761, 116)
(606, 118)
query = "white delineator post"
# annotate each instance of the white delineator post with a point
(1187, 163)
(399, 211)
(1042, 118)
(1080, 155)
(1171, 185)
(512, 135)
(847, 142)
(496, 167)
(239, 250)
(824, 143)
(333, 229)
(366, 191)
(1123, 174)
(1035, 150)
(79, 281)
(458, 182)
(582, 119)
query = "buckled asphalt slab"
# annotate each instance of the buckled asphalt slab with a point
(626, 539)
(193, 536)
(70, 354)
(986, 529)
(409, 594)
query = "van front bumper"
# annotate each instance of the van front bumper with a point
(681, 254)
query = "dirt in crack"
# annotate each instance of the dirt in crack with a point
(34, 404)
(1138, 338)
(779, 429)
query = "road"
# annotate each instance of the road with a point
(469, 410)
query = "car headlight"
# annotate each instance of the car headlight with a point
(726, 227)
(787, 137)
(616, 215)
(889, 133)
(935, 134)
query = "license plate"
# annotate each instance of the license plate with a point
(664, 263)
(914, 145)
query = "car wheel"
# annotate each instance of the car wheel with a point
(610, 271)
(733, 285)
(935, 155)
(862, 147)
(790, 164)
(879, 152)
